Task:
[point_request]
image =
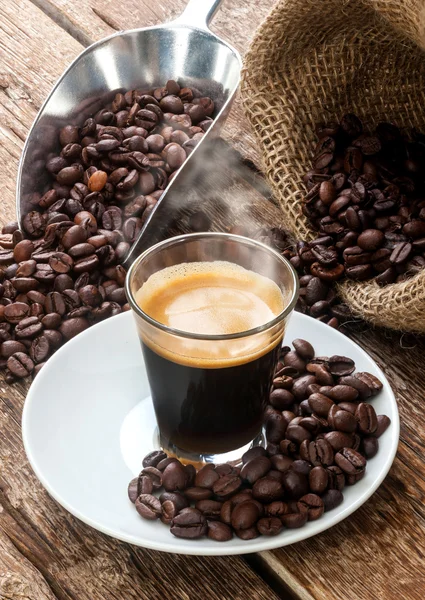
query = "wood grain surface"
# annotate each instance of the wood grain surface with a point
(45, 554)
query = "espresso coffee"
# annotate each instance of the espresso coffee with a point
(209, 395)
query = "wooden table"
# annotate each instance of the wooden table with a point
(45, 553)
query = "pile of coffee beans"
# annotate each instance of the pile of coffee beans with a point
(63, 272)
(320, 433)
(317, 297)
(366, 198)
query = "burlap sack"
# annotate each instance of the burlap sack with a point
(314, 60)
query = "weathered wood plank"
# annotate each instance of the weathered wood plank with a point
(18, 577)
(33, 53)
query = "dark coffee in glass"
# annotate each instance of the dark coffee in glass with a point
(210, 332)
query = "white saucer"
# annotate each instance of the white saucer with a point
(88, 422)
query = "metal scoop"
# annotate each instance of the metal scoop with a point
(184, 50)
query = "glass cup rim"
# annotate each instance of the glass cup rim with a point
(211, 337)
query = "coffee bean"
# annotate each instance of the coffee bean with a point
(72, 327)
(148, 507)
(227, 485)
(313, 505)
(256, 468)
(189, 523)
(318, 480)
(304, 349)
(174, 477)
(9, 347)
(219, 532)
(295, 520)
(366, 418)
(281, 399)
(267, 490)
(155, 475)
(370, 446)
(339, 440)
(197, 493)
(28, 328)
(383, 424)
(341, 366)
(20, 364)
(320, 404)
(332, 499)
(39, 349)
(250, 454)
(14, 313)
(370, 239)
(276, 427)
(343, 393)
(350, 461)
(245, 515)
(23, 250)
(300, 386)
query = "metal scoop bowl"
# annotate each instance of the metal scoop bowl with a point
(184, 50)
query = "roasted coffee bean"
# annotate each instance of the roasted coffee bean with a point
(153, 458)
(174, 477)
(313, 505)
(295, 520)
(300, 386)
(15, 312)
(370, 239)
(281, 399)
(209, 508)
(276, 427)
(23, 250)
(245, 515)
(255, 468)
(189, 523)
(318, 479)
(318, 452)
(197, 493)
(281, 463)
(342, 420)
(343, 393)
(350, 461)
(267, 490)
(252, 453)
(247, 534)
(28, 328)
(336, 478)
(372, 382)
(369, 446)
(295, 484)
(304, 349)
(206, 477)
(366, 418)
(383, 423)
(219, 532)
(339, 440)
(9, 347)
(363, 389)
(341, 366)
(39, 349)
(72, 327)
(148, 507)
(320, 404)
(20, 364)
(332, 499)
(226, 486)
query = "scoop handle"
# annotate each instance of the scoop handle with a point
(198, 13)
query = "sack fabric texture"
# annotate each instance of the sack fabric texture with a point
(312, 61)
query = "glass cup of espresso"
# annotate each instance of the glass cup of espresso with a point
(211, 311)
